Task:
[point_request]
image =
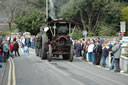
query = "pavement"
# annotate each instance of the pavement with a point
(2, 72)
(31, 70)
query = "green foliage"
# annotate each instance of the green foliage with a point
(14, 28)
(124, 17)
(91, 34)
(77, 34)
(90, 13)
(31, 23)
(106, 30)
(70, 9)
(4, 33)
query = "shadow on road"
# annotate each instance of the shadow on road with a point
(60, 59)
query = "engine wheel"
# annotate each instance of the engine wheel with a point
(71, 54)
(44, 54)
(49, 53)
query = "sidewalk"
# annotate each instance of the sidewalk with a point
(2, 71)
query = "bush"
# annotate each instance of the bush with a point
(106, 30)
(77, 34)
(31, 23)
(4, 33)
(91, 34)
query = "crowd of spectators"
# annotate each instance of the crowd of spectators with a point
(97, 50)
(9, 46)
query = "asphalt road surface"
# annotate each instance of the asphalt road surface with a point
(31, 70)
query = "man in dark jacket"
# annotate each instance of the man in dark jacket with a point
(98, 53)
(105, 53)
(78, 49)
(16, 49)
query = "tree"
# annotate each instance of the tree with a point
(31, 23)
(92, 13)
(124, 17)
(9, 10)
(77, 34)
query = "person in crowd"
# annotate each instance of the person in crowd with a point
(23, 41)
(32, 40)
(14, 39)
(105, 53)
(78, 48)
(18, 40)
(27, 41)
(11, 49)
(37, 45)
(110, 45)
(26, 50)
(117, 52)
(11, 39)
(16, 48)
(75, 47)
(90, 51)
(6, 50)
(94, 53)
(1, 51)
(94, 41)
(85, 50)
(82, 48)
(98, 53)
(1, 46)
(112, 66)
(1, 39)
(8, 38)
(101, 41)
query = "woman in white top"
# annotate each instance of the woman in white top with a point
(90, 51)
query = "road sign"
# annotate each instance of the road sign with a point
(122, 26)
(85, 33)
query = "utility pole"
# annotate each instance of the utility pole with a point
(46, 10)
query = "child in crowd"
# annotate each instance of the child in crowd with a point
(26, 50)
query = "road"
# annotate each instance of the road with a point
(31, 70)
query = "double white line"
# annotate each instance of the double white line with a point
(11, 73)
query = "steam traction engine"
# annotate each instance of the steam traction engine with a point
(59, 40)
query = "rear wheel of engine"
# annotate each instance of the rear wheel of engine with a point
(49, 53)
(71, 54)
